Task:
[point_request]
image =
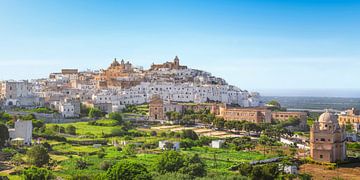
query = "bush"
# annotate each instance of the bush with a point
(95, 113)
(172, 162)
(130, 149)
(101, 155)
(38, 156)
(70, 129)
(4, 134)
(128, 170)
(189, 134)
(153, 133)
(34, 173)
(81, 177)
(81, 164)
(105, 165)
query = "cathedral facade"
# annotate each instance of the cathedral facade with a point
(327, 139)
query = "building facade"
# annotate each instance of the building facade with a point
(327, 139)
(23, 131)
(254, 115)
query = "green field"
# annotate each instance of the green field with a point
(83, 128)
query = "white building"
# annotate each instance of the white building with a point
(176, 145)
(12, 91)
(217, 143)
(22, 131)
(69, 108)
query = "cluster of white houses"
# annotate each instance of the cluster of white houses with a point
(122, 84)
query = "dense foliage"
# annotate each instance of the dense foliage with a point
(128, 170)
(38, 156)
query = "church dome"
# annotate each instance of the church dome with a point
(327, 117)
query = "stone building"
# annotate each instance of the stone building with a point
(168, 65)
(254, 115)
(350, 116)
(327, 139)
(70, 108)
(156, 108)
(12, 91)
(286, 115)
(22, 132)
(112, 75)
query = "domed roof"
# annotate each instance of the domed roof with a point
(327, 117)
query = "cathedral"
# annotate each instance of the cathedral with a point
(327, 139)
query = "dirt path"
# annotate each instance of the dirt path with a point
(348, 172)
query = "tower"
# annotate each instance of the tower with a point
(327, 139)
(176, 62)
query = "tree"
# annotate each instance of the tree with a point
(243, 143)
(4, 134)
(95, 113)
(116, 116)
(128, 170)
(130, 149)
(81, 164)
(349, 127)
(194, 166)
(245, 169)
(265, 172)
(189, 134)
(169, 146)
(70, 129)
(187, 143)
(219, 123)
(263, 140)
(38, 156)
(274, 105)
(170, 161)
(38, 123)
(35, 173)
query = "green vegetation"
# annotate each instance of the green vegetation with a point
(95, 113)
(38, 156)
(128, 170)
(35, 173)
(4, 135)
(41, 110)
(82, 150)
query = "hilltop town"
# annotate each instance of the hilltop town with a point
(171, 122)
(122, 84)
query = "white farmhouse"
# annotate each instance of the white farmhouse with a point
(22, 132)
(217, 143)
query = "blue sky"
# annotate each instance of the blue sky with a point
(256, 45)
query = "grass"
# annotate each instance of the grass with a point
(83, 128)
(68, 148)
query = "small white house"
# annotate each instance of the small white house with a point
(290, 169)
(217, 143)
(176, 145)
(22, 132)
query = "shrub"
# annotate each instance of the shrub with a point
(101, 154)
(128, 170)
(81, 164)
(189, 134)
(35, 173)
(4, 135)
(105, 165)
(153, 133)
(81, 177)
(70, 129)
(38, 156)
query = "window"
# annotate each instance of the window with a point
(322, 139)
(321, 156)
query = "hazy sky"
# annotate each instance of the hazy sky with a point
(256, 45)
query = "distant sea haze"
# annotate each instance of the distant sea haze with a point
(345, 93)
